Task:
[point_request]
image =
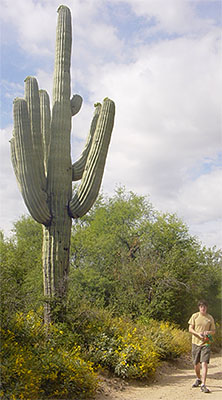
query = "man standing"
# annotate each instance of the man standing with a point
(201, 326)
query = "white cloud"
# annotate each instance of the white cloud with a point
(11, 89)
(30, 20)
(171, 16)
(167, 102)
(209, 233)
(201, 199)
(34, 23)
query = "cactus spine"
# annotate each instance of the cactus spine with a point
(41, 157)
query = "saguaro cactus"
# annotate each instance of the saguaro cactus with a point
(40, 150)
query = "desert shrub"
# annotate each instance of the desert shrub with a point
(171, 342)
(41, 363)
(133, 350)
(115, 344)
(129, 349)
(127, 353)
(59, 361)
(217, 338)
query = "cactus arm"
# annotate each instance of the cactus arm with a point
(45, 124)
(79, 166)
(14, 159)
(33, 103)
(76, 104)
(25, 164)
(93, 173)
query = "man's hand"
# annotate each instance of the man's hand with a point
(209, 333)
(198, 335)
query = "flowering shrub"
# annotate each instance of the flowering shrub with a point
(170, 341)
(127, 355)
(56, 363)
(37, 368)
(130, 350)
(118, 344)
(137, 355)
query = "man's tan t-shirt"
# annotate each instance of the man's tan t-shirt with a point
(201, 323)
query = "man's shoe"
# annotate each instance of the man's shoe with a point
(197, 383)
(204, 389)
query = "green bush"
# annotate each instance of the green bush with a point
(60, 361)
(130, 350)
(217, 338)
(39, 363)
(171, 342)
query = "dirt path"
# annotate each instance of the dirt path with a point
(172, 381)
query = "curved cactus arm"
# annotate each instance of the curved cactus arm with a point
(26, 164)
(33, 103)
(45, 124)
(76, 104)
(79, 165)
(14, 159)
(93, 173)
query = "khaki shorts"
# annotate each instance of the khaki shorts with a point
(200, 354)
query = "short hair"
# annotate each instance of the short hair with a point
(202, 303)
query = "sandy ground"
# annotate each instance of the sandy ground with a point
(173, 381)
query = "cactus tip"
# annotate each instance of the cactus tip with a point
(17, 99)
(30, 78)
(60, 7)
(97, 104)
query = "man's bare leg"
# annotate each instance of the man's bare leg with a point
(197, 370)
(204, 375)
(204, 372)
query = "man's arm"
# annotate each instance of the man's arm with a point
(209, 332)
(191, 330)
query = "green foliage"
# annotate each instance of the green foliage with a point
(125, 257)
(169, 340)
(60, 361)
(136, 261)
(129, 349)
(43, 362)
(21, 271)
(217, 338)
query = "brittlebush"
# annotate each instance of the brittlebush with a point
(39, 364)
(56, 362)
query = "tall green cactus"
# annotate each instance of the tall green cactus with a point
(40, 150)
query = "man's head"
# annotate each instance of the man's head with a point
(202, 304)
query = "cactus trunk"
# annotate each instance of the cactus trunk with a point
(56, 237)
(41, 157)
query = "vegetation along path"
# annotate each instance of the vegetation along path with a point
(173, 381)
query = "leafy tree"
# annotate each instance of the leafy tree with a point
(137, 261)
(21, 272)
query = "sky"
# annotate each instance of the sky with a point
(161, 62)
